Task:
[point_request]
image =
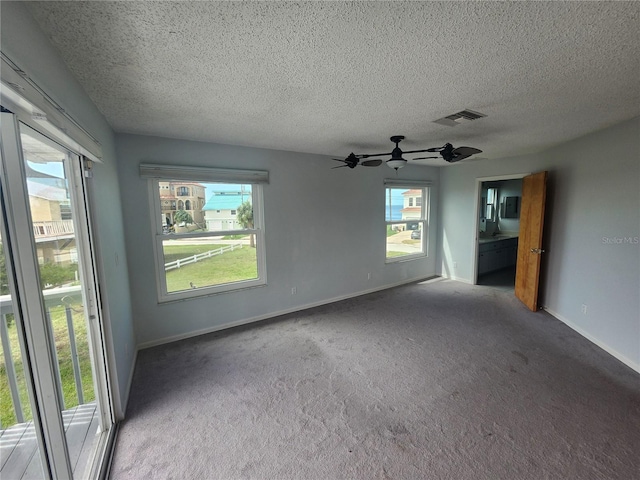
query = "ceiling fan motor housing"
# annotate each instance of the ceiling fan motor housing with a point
(396, 154)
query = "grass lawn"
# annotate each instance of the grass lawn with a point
(229, 267)
(391, 254)
(63, 350)
(176, 252)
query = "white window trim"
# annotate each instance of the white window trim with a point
(425, 208)
(159, 236)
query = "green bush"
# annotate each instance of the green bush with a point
(54, 274)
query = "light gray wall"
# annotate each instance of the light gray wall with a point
(23, 42)
(324, 232)
(593, 195)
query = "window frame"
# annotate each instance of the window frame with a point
(425, 207)
(204, 175)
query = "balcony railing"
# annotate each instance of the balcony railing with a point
(52, 229)
(65, 304)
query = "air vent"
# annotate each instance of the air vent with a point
(460, 117)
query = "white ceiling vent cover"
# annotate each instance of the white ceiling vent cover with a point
(460, 117)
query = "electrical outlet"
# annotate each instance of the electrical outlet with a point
(455, 265)
(584, 309)
(294, 290)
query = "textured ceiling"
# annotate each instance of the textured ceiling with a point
(336, 77)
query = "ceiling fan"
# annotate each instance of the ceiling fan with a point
(447, 152)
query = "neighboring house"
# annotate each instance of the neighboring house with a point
(412, 205)
(187, 196)
(220, 212)
(52, 223)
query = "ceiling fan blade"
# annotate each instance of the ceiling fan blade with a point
(369, 155)
(339, 160)
(371, 163)
(339, 166)
(457, 158)
(423, 158)
(434, 149)
(466, 151)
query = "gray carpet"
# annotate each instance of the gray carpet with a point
(439, 380)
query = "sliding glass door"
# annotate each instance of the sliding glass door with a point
(57, 311)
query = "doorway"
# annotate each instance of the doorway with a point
(57, 417)
(497, 230)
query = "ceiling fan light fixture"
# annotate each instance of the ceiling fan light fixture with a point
(396, 163)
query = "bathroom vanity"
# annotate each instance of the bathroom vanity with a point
(496, 253)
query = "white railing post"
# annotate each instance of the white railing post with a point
(56, 365)
(74, 355)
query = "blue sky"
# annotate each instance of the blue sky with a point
(396, 202)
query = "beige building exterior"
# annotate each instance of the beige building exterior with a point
(187, 196)
(52, 224)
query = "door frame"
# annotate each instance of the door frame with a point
(54, 451)
(47, 412)
(476, 218)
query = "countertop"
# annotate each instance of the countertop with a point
(497, 238)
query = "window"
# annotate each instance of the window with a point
(492, 202)
(406, 218)
(206, 250)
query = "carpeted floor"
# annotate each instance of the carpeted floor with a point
(439, 380)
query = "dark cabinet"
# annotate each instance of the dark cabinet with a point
(497, 254)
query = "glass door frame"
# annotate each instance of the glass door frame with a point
(46, 404)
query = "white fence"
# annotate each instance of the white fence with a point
(200, 256)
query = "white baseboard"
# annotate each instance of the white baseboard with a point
(123, 404)
(611, 351)
(237, 323)
(130, 382)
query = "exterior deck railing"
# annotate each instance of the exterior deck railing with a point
(66, 297)
(52, 228)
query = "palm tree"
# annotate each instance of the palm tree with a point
(245, 218)
(182, 217)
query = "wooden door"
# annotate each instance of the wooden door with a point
(530, 239)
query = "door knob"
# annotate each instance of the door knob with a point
(539, 251)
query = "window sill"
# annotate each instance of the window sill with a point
(405, 258)
(189, 295)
